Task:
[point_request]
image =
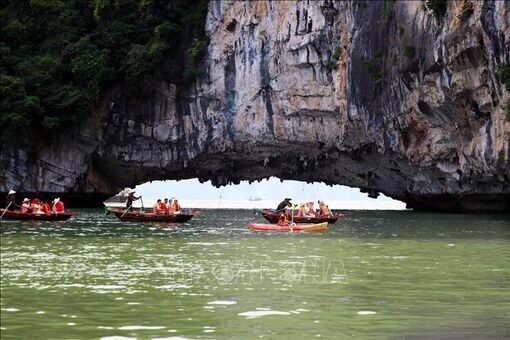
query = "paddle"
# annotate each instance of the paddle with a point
(6, 210)
(126, 210)
(292, 218)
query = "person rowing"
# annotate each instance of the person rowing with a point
(11, 200)
(284, 204)
(284, 218)
(130, 199)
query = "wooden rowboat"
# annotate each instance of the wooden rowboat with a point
(273, 217)
(138, 216)
(16, 215)
(298, 227)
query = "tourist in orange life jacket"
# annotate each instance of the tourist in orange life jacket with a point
(46, 208)
(155, 208)
(37, 206)
(25, 206)
(167, 205)
(310, 209)
(176, 208)
(58, 205)
(301, 211)
(284, 219)
(324, 209)
(162, 207)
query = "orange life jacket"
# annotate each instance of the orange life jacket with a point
(324, 210)
(46, 208)
(283, 219)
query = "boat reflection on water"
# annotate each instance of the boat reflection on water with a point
(42, 224)
(159, 225)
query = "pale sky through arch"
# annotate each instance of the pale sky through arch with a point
(266, 190)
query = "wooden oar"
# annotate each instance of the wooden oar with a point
(6, 210)
(126, 210)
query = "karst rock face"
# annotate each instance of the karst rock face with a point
(385, 96)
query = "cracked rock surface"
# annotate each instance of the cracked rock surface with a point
(383, 96)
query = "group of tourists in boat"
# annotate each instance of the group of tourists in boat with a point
(166, 210)
(306, 209)
(306, 218)
(164, 207)
(35, 209)
(34, 206)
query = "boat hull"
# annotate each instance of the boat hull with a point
(16, 215)
(299, 227)
(150, 217)
(273, 217)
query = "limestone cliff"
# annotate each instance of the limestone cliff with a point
(384, 95)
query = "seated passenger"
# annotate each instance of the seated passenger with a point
(167, 205)
(162, 207)
(46, 208)
(310, 209)
(175, 208)
(301, 211)
(25, 206)
(37, 206)
(58, 205)
(156, 207)
(324, 209)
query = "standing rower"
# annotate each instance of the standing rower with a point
(284, 204)
(130, 199)
(11, 200)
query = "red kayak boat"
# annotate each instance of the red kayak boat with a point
(299, 227)
(273, 217)
(16, 215)
(138, 216)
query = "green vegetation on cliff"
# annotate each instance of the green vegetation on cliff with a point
(58, 56)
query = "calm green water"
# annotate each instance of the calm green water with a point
(373, 275)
